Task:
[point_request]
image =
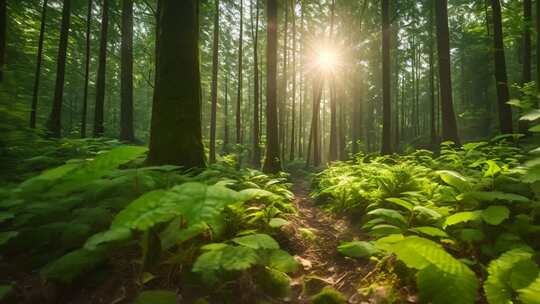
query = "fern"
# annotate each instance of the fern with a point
(531, 294)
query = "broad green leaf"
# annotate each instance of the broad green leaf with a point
(112, 235)
(531, 293)
(491, 196)
(455, 180)
(236, 258)
(357, 249)
(156, 297)
(72, 265)
(523, 273)
(462, 217)
(392, 216)
(471, 235)
(382, 230)
(493, 169)
(257, 241)
(494, 215)
(427, 211)
(535, 129)
(282, 261)
(429, 231)
(4, 216)
(277, 222)
(6, 236)
(531, 116)
(400, 202)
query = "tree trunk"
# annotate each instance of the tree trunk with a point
(538, 46)
(126, 112)
(215, 68)
(102, 68)
(503, 95)
(527, 65)
(176, 135)
(35, 94)
(226, 117)
(449, 125)
(86, 69)
(239, 91)
(272, 162)
(314, 138)
(387, 102)
(293, 110)
(54, 124)
(433, 122)
(3, 32)
(256, 160)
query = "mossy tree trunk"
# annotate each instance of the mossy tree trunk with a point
(176, 135)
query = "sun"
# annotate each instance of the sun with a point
(326, 59)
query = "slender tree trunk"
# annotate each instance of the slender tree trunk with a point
(387, 102)
(433, 122)
(314, 137)
(256, 102)
(3, 33)
(176, 134)
(86, 69)
(226, 116)
(215, 68)
(293, 110)
(333, 142)
(126, 113)
(538, 46)
(282, 104)
(503, 95)
(239, 91)
(449, 125)
(272, 162)
(54, 124)
(527, 65)
(101, 73)
(35, 94)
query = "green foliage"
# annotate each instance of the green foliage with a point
(329, 296)
(358, 249)
(73, 264)
(5, 291)
(156, 297)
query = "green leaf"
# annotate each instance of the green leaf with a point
(257, 241)
(277, 222)
(429, 231)
(531, 116)
(112, 235)
(493, 169)
(485, 196)
(392, 216)
(535, 129)
(156, 297)
(494, 215)
(357, 249)
(5, 290)
(6, 236)
(531, 294)
(455, 180)
(4, 216)
(235, 258)
(400, 202)
(382, 230)
(282, 261)
(497, 286)
(427, 211)
(523, 273)
(72, 265)
(462, 217)
(471, 235)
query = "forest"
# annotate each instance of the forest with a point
(269, 151)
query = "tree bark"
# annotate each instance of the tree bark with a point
(101, 73)
(215, 69)
(527, 65)
(3, 33)
(126, 113)
(449, 125)
(503, 95)
(226, 116)
(239, 91)
(176, 135)
(272, 162)
(54, 124)
(387, 102)
(256, 102)
(33, 111)
(86, 69)
(293, 110)
(433, 122)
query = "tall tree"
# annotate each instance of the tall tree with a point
(239, 88)
(333, 153)
(33, 111)
(215, 68)
(54, 124)
(176, 134)
(126, 109)
(3, 28)
(387, 102)
(101, 73)
(527, 62)
(226, 116)
(256, 102)
(449, 125)
(433, 117)
(272, 162)
(293, 110)
(86, 69)
(501, 78)
(538, 46)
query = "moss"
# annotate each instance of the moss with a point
(313, 284)
(329, 296)
(274, 282)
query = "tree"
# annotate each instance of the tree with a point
(239, 91)
(387, 102)
(102, 68)
(501, 78)
(33, 111)
(272, 162)
(126, 108)
(256, 102)
(86, 69)
(449, 125)
(293, 110)
(433, 117)
(3, 23)
(215, 68)
(527, 63)
(176, 134)
(54, 124)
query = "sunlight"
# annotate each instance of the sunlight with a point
(327, 60)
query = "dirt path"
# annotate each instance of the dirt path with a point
(313, 237)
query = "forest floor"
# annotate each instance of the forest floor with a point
(313, 236)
